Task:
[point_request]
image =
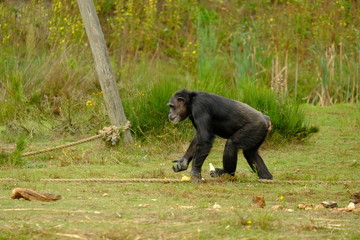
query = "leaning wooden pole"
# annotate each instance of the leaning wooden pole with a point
(102, 64)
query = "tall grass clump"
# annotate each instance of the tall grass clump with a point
(14, 158)
(288, 121)
(338, 77)
(207, 64)
(147, 110)
(213, 66)
(249, 59)
(12, 96)
(146, 105)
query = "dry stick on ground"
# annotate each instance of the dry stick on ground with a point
(31, 195)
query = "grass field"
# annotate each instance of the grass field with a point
(211, 210)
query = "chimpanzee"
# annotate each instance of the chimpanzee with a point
(244, 127)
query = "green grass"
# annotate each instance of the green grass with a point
(186, 210)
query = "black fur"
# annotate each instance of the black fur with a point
(244, 127)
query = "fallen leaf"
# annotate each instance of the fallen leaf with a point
(305, 206)
(216, 206)
(258, 201)
(277, 207)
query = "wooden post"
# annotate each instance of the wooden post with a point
(106, 77)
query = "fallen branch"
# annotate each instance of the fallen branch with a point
(31, 195)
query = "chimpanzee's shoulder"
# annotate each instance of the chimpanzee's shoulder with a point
(204, 94)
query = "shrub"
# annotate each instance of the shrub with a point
(14, 158)
(287, 119)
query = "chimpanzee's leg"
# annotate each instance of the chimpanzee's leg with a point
(255, 161)
(201, 152)
(230, 157)
(255, 137)
(248, 138)
(251, 153)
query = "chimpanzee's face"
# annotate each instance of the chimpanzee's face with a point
(178, 109)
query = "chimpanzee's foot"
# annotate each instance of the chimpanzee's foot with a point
(216, 172)
(195, 176)
(196, 179)
(182, 165)
(266, 176)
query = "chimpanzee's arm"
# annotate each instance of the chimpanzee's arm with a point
(204, 141)
(183, 163)
(199, 147)
(190, 151)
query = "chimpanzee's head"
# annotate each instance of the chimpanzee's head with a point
(179, 106)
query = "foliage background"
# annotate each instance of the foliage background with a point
(304, 51)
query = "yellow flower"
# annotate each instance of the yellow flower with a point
(185, 179)
(97, 93)
(89, 103)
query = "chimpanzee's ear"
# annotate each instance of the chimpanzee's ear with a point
(181, 99)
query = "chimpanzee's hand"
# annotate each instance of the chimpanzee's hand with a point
(182, 165)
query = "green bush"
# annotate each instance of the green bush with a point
(287, 120)
(14, 158)
(148, 111)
